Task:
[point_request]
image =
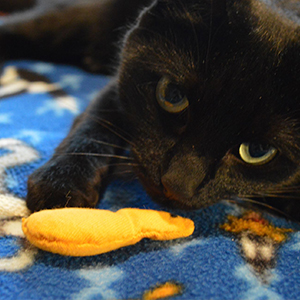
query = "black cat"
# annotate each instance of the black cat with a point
(206, 93)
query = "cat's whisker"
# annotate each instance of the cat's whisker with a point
(279, 193)
(247, 199)
(99, 120)
(95, 155)
(108, 144)
(259, 203)
(273, 195)
(117, 134)
(282, 196)
(108, 125)
(113, 125)
(122, 165)
(284, 189)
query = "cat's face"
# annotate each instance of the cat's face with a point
(213, 97)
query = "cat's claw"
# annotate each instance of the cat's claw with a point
(48, 189)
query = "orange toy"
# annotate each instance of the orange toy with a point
(86, 232)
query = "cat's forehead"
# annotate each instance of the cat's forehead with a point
(222, 58)
(193, 32)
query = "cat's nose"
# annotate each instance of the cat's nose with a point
(184, 177)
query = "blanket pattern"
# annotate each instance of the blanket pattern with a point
(234, 253)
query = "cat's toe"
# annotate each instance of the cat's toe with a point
(48, 189)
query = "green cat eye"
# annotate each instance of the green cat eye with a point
(170, 97)
(257, 154)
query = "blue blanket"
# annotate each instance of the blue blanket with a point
(223, 259)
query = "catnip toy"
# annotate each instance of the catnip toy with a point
(86, 232)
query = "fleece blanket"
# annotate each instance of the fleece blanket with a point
(233, 253)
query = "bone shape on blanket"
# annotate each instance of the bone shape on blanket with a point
(13, 208)
(18, 154)
(14, 81)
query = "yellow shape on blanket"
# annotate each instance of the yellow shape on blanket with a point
(86, 232)
(166, 290)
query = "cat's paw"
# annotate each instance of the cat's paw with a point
(56, 185)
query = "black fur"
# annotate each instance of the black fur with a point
(237, 62)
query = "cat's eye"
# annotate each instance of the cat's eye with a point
(170, 97)
(256, 153)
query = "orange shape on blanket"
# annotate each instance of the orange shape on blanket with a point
(85, 232)
(166, 290)
(253, 222)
